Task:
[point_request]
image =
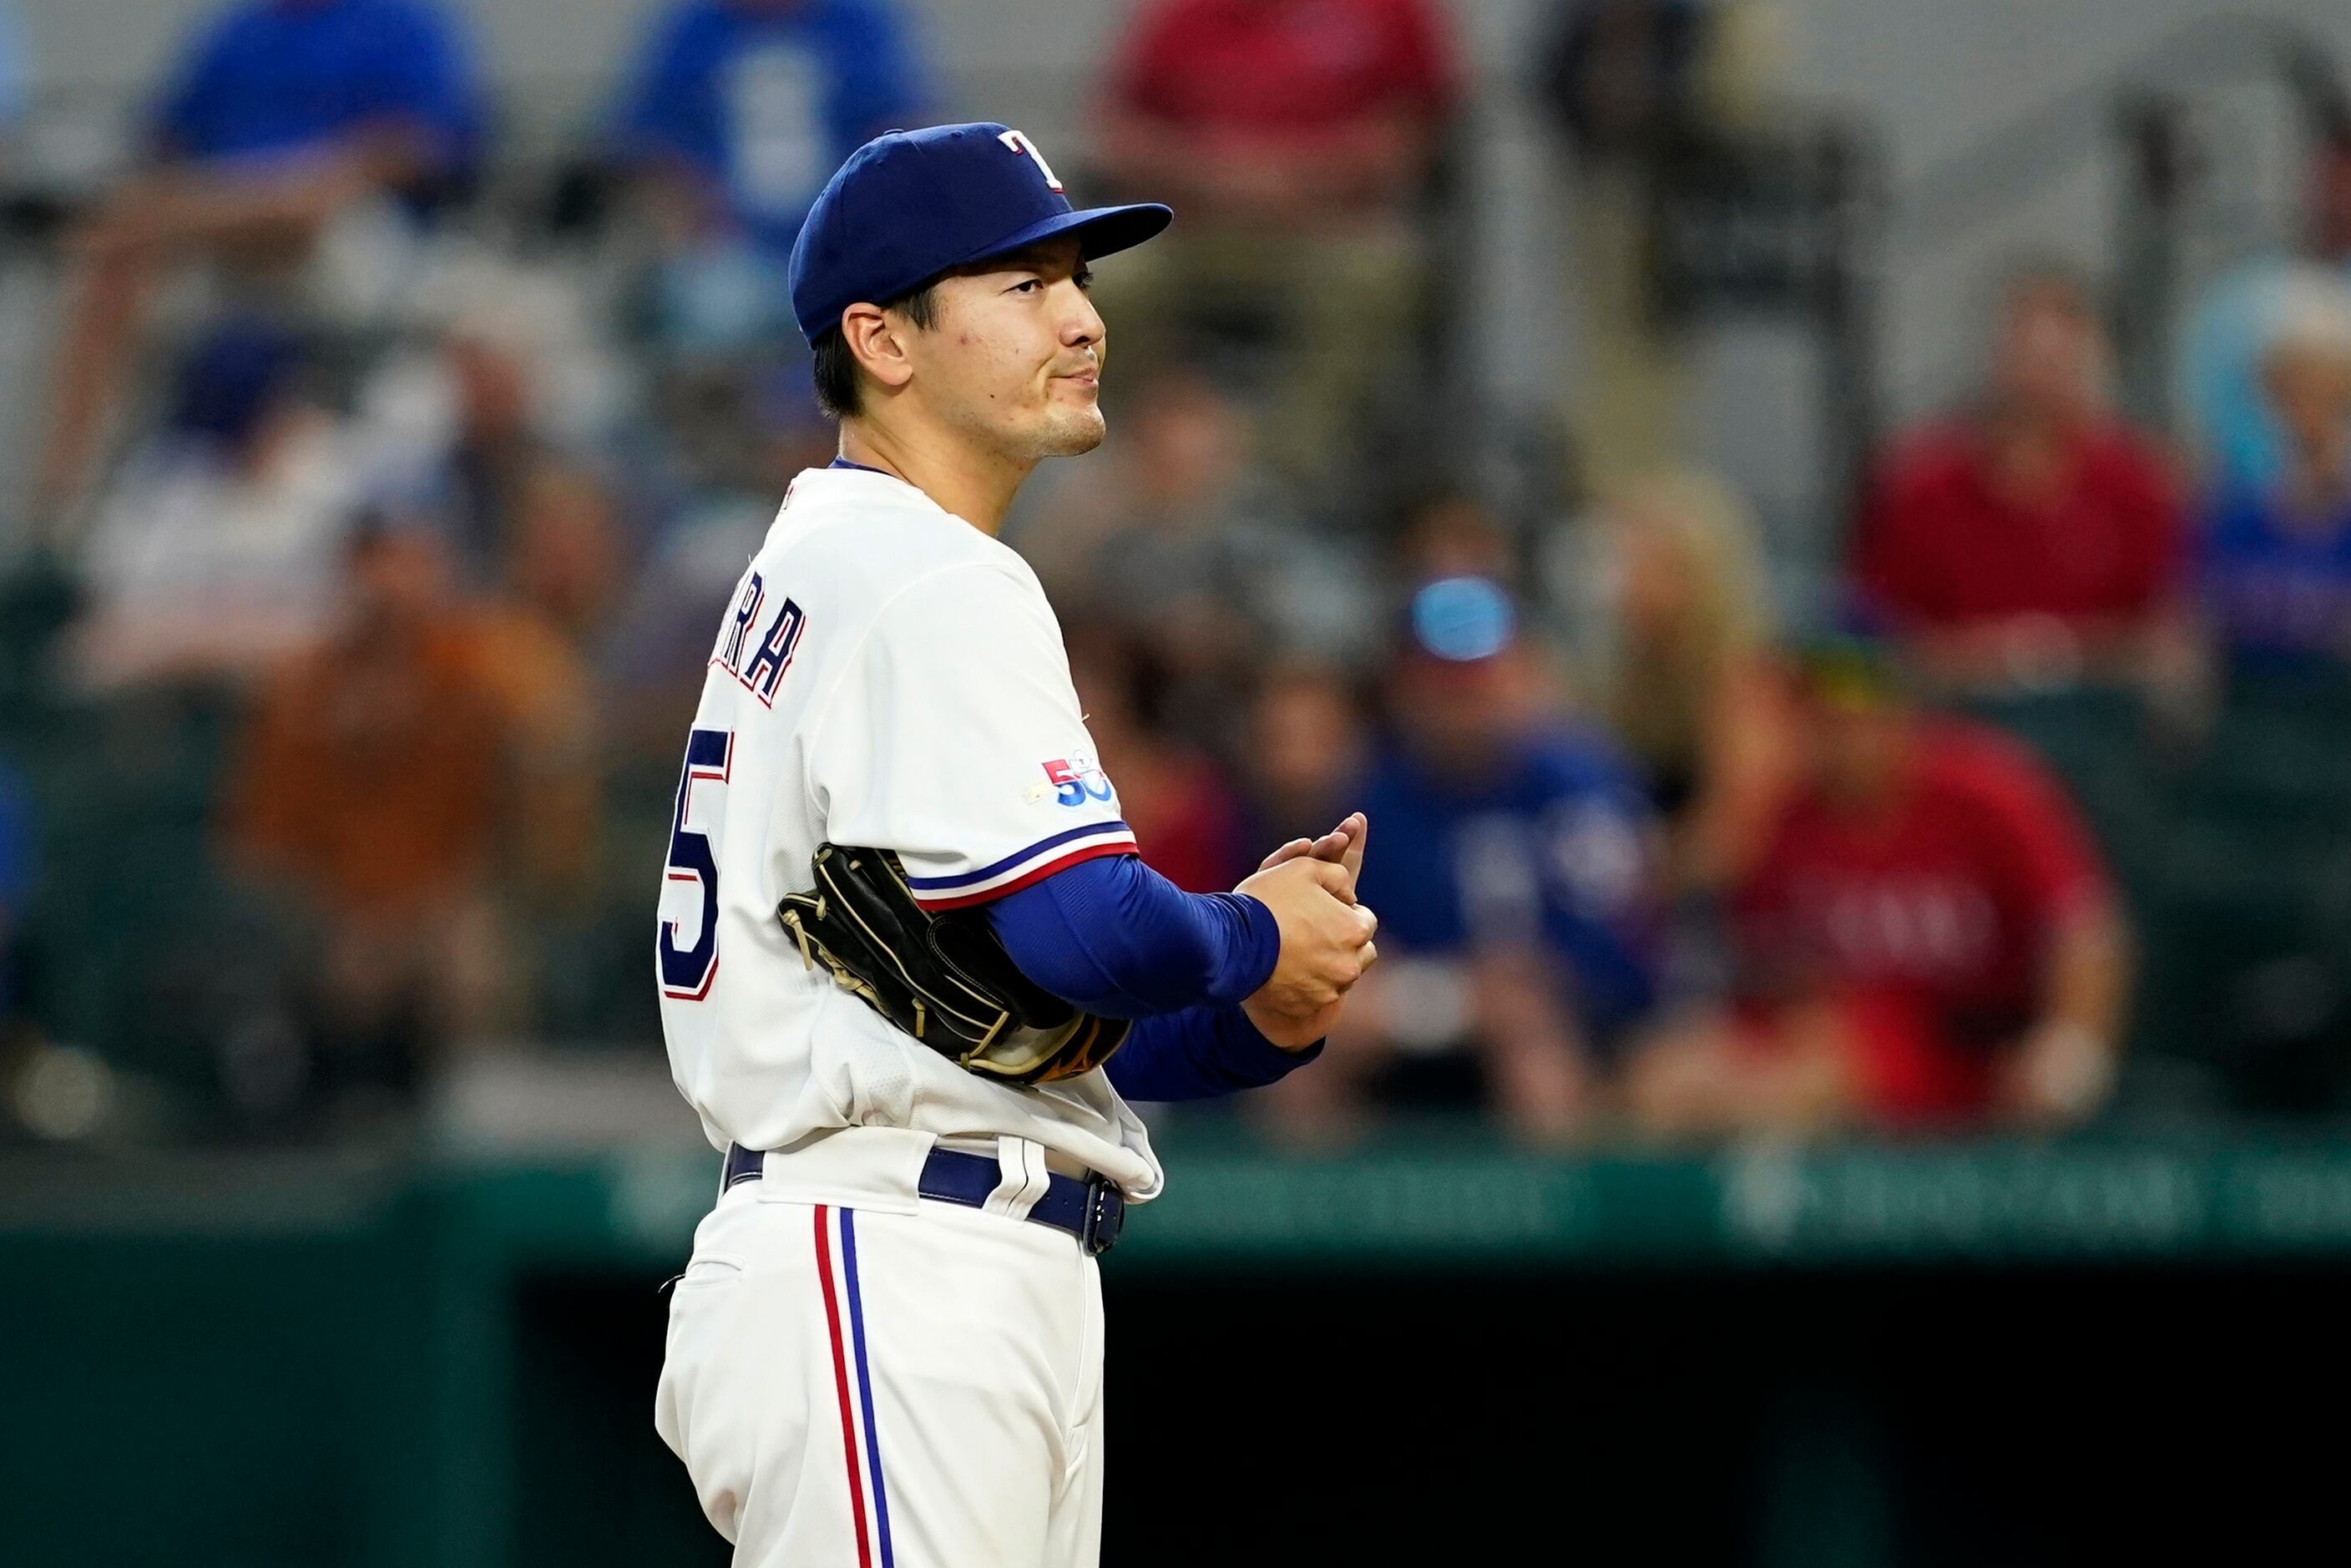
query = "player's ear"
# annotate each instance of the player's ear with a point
(878, 344)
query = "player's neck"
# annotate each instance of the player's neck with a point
(972, 485)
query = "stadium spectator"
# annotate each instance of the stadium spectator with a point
(1631, 87)
(737, 113)
(736, 441)
(1160, 525)
(532, 642)
(494, 434)
(1295, 137)
(2276, 558)
(2228, 411)
(1449, 534)
(1180, 536)
(2034, 541)
(281, 116)
(1511, 868)
(1186, 819)
(386, 780)
(1304, 745)
(1928, 940)
(367, 792)
(219, 548)
(1687, 670)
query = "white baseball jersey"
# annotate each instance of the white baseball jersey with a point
(887, 675)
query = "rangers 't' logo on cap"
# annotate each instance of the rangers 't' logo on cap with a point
(1019, 141)
(910, 206)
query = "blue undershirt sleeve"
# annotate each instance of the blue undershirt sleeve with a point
(1114, 937)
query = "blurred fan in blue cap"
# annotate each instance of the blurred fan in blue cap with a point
(1516, 885)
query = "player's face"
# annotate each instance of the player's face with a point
(1015, 357)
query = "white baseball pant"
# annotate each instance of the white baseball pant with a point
(868, 1389)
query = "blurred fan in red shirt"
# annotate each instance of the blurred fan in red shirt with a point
(1282, 105)
(1296, 137)
(2035, 540)
(1928, 938)
(1185, 816)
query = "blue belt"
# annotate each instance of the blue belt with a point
(1092, 1210)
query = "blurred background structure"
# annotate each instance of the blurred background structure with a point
(1819, 530)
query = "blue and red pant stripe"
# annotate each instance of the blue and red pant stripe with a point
(850, 1365)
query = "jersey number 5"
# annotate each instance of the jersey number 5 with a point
(686, 972)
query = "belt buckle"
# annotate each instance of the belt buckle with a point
(1105, 1217)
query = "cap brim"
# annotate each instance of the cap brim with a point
(1100, 231)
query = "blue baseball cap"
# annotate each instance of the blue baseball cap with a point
(912, 204)
(1463, 620)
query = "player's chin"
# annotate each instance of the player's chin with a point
(1071, 430)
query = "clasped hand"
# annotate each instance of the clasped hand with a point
(1326, 934)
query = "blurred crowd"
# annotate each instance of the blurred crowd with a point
(384, 514)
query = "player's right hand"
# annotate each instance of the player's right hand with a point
(1326, 936)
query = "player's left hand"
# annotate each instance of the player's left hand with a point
(1341, 846)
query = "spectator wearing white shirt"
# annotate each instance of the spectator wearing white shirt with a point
(220, 548)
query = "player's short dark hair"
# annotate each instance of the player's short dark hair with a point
(835, 368)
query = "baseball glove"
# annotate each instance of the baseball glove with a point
(944, 979)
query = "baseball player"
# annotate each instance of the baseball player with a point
(910, 967)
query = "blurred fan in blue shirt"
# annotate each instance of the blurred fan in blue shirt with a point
(736, 113)
(1513, 868)
(760, 100)
(2275, 566)
(281, 120)
(2221, 379)
(1501, 823)
(280, 77)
